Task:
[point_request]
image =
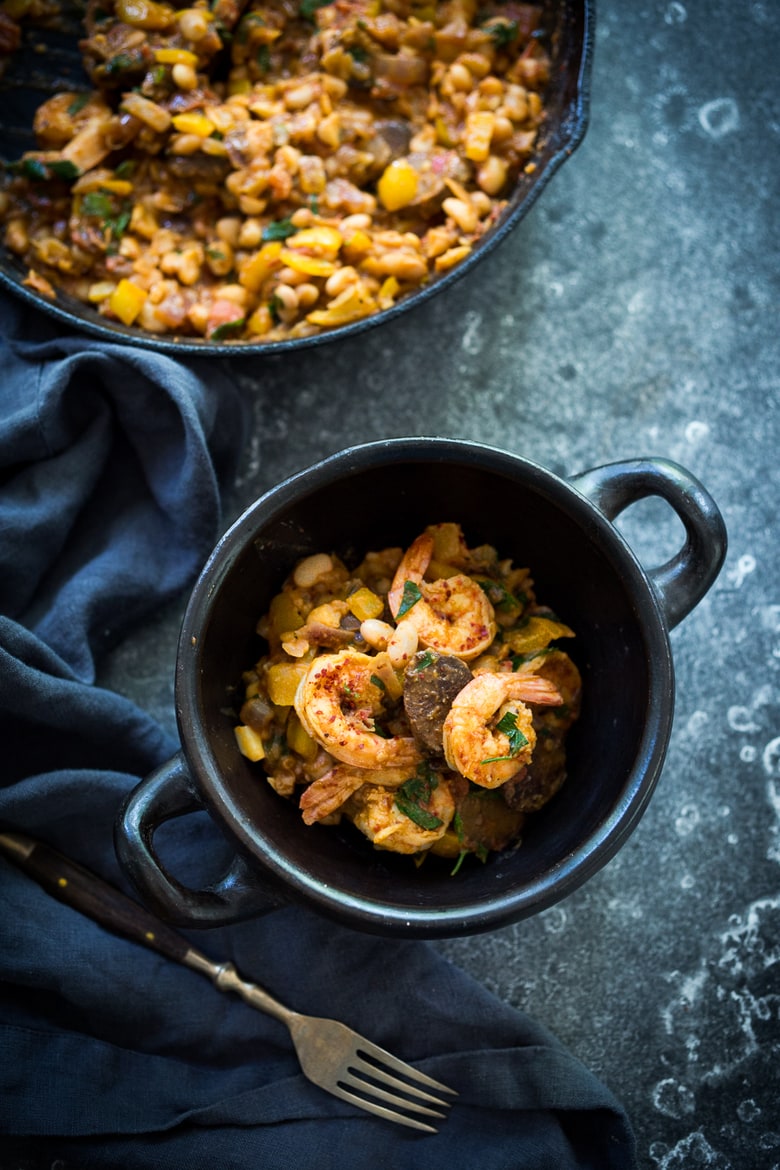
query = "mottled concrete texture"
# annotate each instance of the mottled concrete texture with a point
(634, 311)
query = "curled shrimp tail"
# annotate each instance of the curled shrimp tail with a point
(328, 793)
(534, 688)
(412, 568)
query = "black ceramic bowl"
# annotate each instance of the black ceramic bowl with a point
(384, 494)
(33, 75)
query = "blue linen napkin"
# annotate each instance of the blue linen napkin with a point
(111, 464)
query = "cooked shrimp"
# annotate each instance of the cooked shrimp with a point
(488, 732)
(329, 792)
(452, 615)
(338, 701)
(375, 811)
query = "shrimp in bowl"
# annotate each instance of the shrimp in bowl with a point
(421, 696)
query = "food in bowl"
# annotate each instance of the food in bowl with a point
(421, 696)
(266, 171)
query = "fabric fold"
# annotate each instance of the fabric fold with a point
(113, 462)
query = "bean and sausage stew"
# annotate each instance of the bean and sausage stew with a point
(268, 170)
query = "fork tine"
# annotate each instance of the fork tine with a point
(340, 1090)
(381, 1056)
(381, 1090)
(389, 1081)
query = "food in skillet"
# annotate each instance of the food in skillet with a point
(269, 170)
(421, 697)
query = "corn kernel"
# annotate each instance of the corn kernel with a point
(197, 124)
(127, 300)
(283, 679)
(249, 743)
(398, 185)
(364, 603)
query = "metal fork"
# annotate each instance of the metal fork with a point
(331, 1055)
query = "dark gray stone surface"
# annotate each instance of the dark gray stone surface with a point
(634, 311)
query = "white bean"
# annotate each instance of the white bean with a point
(376, 633)
(402, 645)
(311, 569)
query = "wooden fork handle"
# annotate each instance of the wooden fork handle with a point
(84, 891)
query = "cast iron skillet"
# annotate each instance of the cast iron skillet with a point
(32, 76)
(384, 494)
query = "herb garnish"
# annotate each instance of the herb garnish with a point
(517, 741)
(426, 659)
(279, 229)
(502, 32)
(227, 329)
(376, 680)
(307, 8)
(411, 595)
(414, 794)
(78, 103)
(498, 594)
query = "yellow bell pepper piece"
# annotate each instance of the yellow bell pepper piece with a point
(364, 604)
(350, 305)
(357, 244)
(127, 300)
(284, 614)
(310, 265)
(194, 123)
(249, 743)
(283, 679)
(398, 184)
(322, 241)
(299, 740)
(536, 634)
(175, 57)
(259, 267)
(388, 292)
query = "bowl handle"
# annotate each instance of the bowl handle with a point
(166, 793)
(684, 579)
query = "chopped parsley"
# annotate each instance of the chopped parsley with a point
(279, 229)
(78, 103)
(307, 8)
(426, 659)
(97, 203)
(411, 595)
(502, 32)
(499, 596)
(517, 741)
(227, 329)
(414, 794)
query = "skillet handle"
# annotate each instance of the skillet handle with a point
(167, 793)
(684, 579)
